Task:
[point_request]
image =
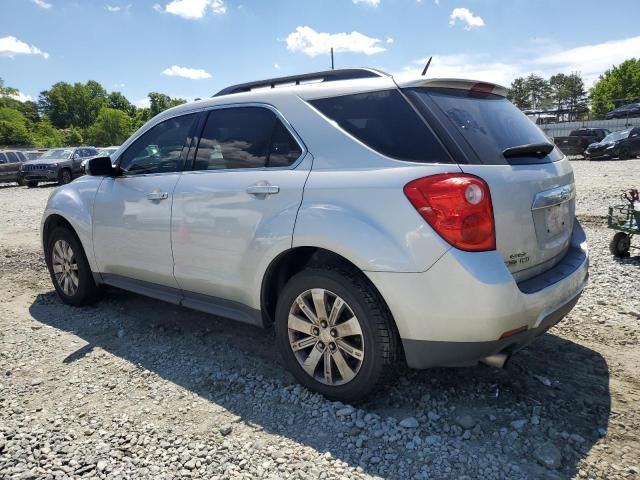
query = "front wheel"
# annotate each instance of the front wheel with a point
(620, 245)
(65, 177)
(335, 333)
(69, 268)
(32, 184)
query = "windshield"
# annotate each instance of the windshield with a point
(106, 152)
(615, 136)
(58, 153)
(489, 123)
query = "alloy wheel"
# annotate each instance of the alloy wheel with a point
(325, 337)
(65, 267)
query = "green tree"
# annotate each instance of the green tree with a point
(616, 87)
(45, 135)
(118, 101)
(161, 102)
(558, 84)
(72, 137)
(6, 90)
(13, 128)
(112, 127)
(539, 91)
(519, 94)
(77, 104)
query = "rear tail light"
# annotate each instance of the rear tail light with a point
(458, 207)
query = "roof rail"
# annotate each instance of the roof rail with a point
(326, 76)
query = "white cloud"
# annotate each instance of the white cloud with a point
(371, 3)
(42, 4)
(21, 97)
(10, 47)
(276, 66)
(307, 40)
(588, 60)
(185, 72)
(192, 9)
(143, 102)
(465, 16)
(389, 40)
(113, 8)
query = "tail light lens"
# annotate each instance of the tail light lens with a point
(458, 207)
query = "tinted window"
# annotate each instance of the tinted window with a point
(159, 150)
(284, 148)
(13, 158)
(489, 123)
(21, 156)
(246, 137)
(385, 122)
(3, 158)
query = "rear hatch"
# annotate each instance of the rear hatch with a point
(532, 188)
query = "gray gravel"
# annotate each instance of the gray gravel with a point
(133, 388)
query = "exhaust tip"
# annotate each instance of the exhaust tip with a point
(497, 360)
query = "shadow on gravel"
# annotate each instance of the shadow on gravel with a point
(554, 393)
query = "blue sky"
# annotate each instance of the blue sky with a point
(193, 48)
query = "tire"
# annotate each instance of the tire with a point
(32, 184)
(372, 334)
(19, 181)
(620, 244)
(624, 154)
(65, 177)
(78, 287)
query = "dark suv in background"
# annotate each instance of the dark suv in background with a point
(60, 165)
(10, 162)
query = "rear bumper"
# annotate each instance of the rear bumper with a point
(460, 309)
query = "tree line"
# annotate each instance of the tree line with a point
(566, 94)
(74, 114)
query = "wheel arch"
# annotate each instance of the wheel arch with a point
(294, 260)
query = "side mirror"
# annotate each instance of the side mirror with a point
(100, 167)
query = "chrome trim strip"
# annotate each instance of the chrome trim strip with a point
(554, 196)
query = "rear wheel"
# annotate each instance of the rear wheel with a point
(65, 177)
(69, 268)
(620, 244)
(335, 333)
(32, 184)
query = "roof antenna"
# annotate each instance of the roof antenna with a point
(331, 58)
(426, 67)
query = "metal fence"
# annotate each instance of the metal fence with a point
(564, 128)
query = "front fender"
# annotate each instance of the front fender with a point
(74, 203)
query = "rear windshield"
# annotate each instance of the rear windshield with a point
(489, 123)
(385, 122)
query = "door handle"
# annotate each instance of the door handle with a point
(262, 189)
(157, 196)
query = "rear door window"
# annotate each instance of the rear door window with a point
(245, 137)
(13, 158)
(385, 122)
(488, 123)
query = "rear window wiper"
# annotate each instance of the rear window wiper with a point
(537, 149)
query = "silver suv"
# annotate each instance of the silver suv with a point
(369, 220)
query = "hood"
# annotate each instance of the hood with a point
(45, 161)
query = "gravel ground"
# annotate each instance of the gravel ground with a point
(133, 388)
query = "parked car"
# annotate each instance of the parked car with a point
(369, 220)
(625, 111)
(578, 140)
(10, 161)
(103, 152)
(623, 144)
(60, 165)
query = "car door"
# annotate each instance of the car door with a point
(132, 212)
(634, 141)
(4, 167)
(12, 166)
(235, 211)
